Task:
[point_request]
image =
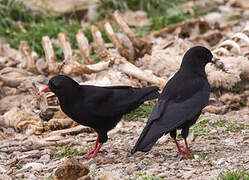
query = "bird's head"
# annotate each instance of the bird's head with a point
(61, 85)
(198, 56)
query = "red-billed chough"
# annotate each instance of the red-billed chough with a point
(180, 104)
(101, 108)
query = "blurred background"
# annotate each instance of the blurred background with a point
(31, 19)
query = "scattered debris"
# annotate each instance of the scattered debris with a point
(33, 129)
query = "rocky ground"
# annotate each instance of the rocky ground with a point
(32, 147)
(219, 143)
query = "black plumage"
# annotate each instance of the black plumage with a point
(101, 108)
(180, 104)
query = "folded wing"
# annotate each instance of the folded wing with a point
(118, 100)
(168, 114)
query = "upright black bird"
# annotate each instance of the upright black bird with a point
(181, 102)
(101, 108)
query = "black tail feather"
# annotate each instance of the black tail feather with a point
(148, 137)
(152, 93)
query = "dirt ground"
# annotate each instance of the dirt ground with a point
(218, 143)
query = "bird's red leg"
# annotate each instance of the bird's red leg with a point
(178, 147)
(96, 145)
(187, 148)
(94, 151)
(97, 150)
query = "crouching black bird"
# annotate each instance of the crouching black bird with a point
(180, 104)
(101, 108)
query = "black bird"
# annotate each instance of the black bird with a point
(180, 104)
(101, 108)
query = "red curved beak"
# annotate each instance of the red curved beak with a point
(46, 89)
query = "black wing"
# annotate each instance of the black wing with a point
(173, 109)
(117, 100)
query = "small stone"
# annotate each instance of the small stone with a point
(161, 160)
(179, 174)
(107, 176)
(21, 175)
(220, 161)
(164, 174)
(229, 142)
(84, 178)
(45, 158)
(163, 139)
(10, 171)
(70, 169)
(131, 168)
(191, 137)
(34, 166)
(2, 169)
(214, 131)
(188, 174)
(5, 177)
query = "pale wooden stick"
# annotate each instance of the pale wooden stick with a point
(98, 40)
(143, 47)
(84, 47)
(28, 61)
(66, 46)
(49, 54)
(124, 66)
(112, 36)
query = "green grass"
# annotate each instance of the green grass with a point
(58, 144)
(229, 125)
(144, 176)
(68, 151)
(203, 123)
(161, 12)
(20, 23)
(200, 127)
(234, 127)
(142, 112)
(50, 178)
(234, 175)
(220, 123)
(234, 17)
(202, 155)
(213, 137)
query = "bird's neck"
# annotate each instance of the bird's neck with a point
(69, 98)
(198, 71)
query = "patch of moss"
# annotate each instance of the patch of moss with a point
(234, 175)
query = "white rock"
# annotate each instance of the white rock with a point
(45, 158)
(188, 174)
(179, 174)
(220, 161)
(5, 177)
(2, 169)
(191, 137)
(35, 166)
(213, 131)
(163, 139)
(32, 177)
(229, 142)
(213, 17)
